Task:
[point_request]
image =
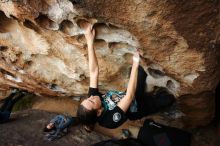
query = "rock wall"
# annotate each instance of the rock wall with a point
(43, 49)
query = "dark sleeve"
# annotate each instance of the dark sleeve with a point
(113, 118)
(94, 92)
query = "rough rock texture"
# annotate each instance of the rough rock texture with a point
(43, 48)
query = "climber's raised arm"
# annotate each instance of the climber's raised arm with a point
(125, 102)
(93, 63)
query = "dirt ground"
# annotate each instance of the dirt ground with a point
(25, 129)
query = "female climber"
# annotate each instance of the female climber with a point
(112, 109)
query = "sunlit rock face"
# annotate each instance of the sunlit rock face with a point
(43, 49)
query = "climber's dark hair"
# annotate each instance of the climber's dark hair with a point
(87, 117)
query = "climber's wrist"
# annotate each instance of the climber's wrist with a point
(136, 58)
(90, 42)
(135, 64)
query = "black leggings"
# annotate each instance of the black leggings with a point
(9, 102)
(148, 103)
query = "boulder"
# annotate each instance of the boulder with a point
(43, 49)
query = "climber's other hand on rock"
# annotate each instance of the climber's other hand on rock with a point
(90, 34)
(136, 58)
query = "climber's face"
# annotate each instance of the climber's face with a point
(92, 103)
